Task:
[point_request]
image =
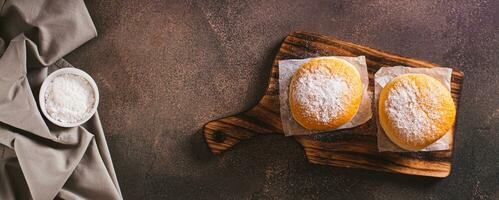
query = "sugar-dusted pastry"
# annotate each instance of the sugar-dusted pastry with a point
(325, 93)
(415, 110)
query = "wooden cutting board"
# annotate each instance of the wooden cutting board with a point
(350, 148)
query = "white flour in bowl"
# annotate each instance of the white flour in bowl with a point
(69, 98)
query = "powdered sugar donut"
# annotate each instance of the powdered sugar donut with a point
(325, 93)
(415, 110)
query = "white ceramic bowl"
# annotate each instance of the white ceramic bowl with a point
(47, 82)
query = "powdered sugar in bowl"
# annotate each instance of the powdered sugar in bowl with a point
(69, 97)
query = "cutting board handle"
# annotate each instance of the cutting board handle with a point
(263, 118)
(223, 134)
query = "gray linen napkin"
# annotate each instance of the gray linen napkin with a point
(45, 161)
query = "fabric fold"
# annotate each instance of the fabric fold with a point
(16, 98)
(48, 161)
(54, 27)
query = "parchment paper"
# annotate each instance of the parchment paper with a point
(287, 68)
(383, 76)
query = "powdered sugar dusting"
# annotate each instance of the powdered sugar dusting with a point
(412, 110)
(69, 98)
(321, 94)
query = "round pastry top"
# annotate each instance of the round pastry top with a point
(415, 110)
(325, 93)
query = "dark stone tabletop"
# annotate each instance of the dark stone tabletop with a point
(165, 68)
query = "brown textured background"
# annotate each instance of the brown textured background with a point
(165, 68)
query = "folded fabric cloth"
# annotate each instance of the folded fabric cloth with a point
(45, 161)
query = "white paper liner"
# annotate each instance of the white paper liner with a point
(383, 76)
(287, 69)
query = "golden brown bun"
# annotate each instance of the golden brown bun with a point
(325, 93)
(415, 110)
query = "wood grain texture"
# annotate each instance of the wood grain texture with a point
(351, 148)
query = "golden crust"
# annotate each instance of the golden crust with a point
(442, 109)
(336, 67)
